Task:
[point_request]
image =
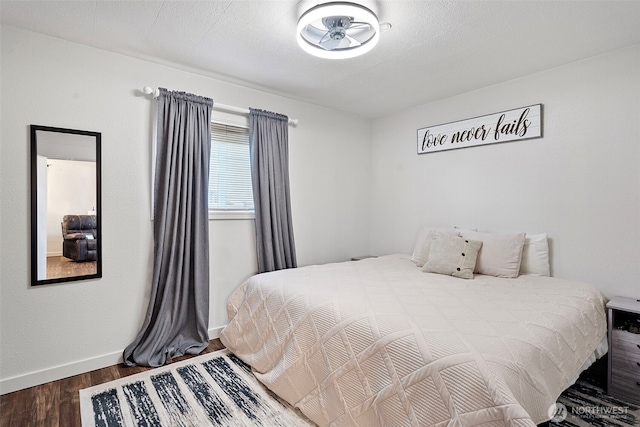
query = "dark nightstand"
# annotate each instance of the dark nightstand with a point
(624, 349)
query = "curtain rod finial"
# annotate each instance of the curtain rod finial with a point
(149, 90)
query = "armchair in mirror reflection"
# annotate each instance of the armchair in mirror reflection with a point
(80, 237)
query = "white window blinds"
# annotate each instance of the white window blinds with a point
(229, 169)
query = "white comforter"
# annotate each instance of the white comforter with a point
(379, 343)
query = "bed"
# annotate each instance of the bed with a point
(379, 342)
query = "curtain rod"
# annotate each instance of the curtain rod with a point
(216, 106)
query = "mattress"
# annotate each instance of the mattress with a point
(377, 342)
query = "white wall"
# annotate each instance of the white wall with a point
(365, 192)
(51, 331)
(580, 182)
(71, 190)
(41, 202)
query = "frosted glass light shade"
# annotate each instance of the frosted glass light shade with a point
(314, 16)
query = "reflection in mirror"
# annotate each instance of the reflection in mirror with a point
(65, 205)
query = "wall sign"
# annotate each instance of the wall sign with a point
(511, 125)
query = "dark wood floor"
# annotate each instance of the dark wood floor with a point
(57, 403)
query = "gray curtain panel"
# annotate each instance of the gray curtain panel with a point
(177, 319)
(269, 146)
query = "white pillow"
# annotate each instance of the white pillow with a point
(452, 255)
(423, 235)
(535, 255)
(501, 254)
(423, 244)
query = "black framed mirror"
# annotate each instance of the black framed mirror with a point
(66, 232)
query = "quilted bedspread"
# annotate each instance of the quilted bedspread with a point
(377, 342)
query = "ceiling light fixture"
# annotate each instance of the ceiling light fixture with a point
(338, 30)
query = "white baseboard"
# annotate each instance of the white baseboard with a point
(20, 382)
(215, 332)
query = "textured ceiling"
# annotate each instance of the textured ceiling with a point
(436, 49)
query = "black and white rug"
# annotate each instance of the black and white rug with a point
(586, 404)
(215, 389)
(218, 389)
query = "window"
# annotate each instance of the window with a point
(230, 190)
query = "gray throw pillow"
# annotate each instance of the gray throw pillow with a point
(452, 255)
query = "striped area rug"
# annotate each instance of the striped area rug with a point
(218, 389)
(215, 389)
(586, 404)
